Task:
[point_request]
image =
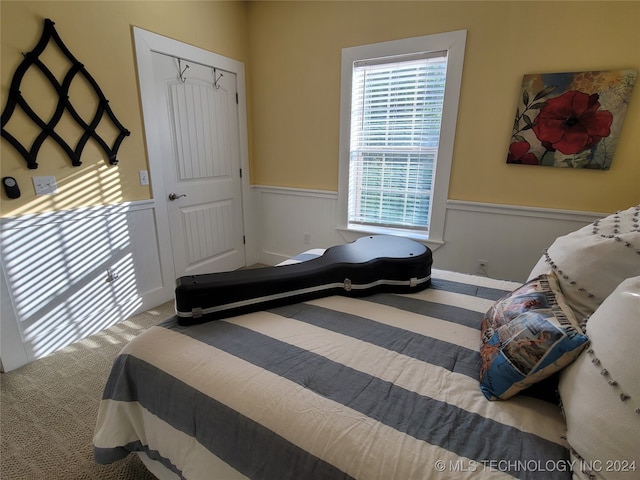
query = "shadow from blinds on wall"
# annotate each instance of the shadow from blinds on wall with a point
(71, 273)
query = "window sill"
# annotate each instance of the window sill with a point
(412, 234)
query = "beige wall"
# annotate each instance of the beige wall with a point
(295, 50)
(99, 34)
(292, 53)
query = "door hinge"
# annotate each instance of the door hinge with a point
(240, 173)
(237, 101)
(244, 240)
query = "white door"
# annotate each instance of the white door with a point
(200, 150)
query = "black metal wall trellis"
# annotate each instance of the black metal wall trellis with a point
(15, 99)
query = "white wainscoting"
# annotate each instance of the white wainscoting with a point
(69, 274)
(287, 214)
(55, 285)
(509, 238)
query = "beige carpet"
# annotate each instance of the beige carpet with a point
(48, 409)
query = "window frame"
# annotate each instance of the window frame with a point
(454, 43)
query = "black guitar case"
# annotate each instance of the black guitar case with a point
(368, 265)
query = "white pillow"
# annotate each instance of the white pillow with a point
(600, 391)
(592, 261)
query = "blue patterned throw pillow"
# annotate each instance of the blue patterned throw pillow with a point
(527, 336)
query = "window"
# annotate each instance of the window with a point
(398, 112)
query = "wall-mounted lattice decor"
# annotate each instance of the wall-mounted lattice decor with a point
(47, 127)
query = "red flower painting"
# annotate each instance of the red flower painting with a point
(572, 122)
(519, 153)
(570, 119)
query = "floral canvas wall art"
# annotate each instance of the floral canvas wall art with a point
(570, 119)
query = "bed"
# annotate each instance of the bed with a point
(380, 387)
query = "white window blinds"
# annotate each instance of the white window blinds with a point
(396, 112)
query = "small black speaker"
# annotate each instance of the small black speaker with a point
(11, 187)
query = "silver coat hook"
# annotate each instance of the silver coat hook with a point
(216, 79)
(181, 71)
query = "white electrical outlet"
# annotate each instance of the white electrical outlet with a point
(112, 275)
(45, 185)
(144, 177)
(483, 267)
(307, 239)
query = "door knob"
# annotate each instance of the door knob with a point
(173, 196)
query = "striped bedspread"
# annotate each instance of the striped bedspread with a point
(382, 387)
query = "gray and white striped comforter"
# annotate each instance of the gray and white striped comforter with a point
(382, 387)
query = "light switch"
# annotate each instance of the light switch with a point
(45, 185)
(144, 177)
